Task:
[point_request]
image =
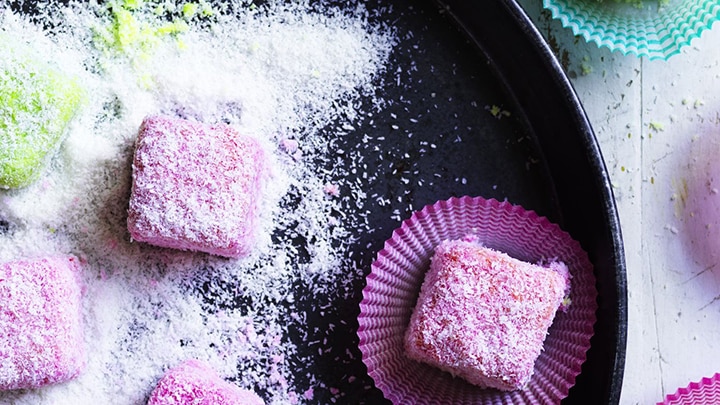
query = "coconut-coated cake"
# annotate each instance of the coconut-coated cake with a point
(483, 316)
(195, 382)
(195, 186)
(41, 331)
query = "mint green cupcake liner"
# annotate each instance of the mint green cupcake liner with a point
(656, 29)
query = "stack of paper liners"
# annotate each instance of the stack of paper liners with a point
(705, 391)
(654, 29)
(37, 102)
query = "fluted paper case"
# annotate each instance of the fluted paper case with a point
(656, 29)
(394, 283)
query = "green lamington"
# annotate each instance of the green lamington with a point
(37, 102)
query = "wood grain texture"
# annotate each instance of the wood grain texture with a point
(658, 125)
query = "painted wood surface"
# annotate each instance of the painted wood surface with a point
(658, 126)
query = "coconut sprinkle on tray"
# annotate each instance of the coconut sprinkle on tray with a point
(279, 72)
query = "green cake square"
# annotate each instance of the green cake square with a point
(37, 102)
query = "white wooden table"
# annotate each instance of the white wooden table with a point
(658, 125)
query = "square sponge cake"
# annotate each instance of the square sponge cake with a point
(195, 187)
(194, 382)
(483, 315)
(41, 333)
(37, 104)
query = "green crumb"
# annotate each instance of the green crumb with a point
(133, 4)
(173, 28)
(132, 32)
(656, 126)
(190, 10)
(585, 66)
(37, 103)
(206, 9)
(498, 112)
(135, 28)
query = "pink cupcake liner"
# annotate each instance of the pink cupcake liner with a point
(705, 391)
(394, 284)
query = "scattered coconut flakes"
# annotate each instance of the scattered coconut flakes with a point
(277, 72)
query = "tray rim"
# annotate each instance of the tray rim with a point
(536, 52)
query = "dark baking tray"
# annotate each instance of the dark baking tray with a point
(455, 61)
(436, 138)
(523, 61)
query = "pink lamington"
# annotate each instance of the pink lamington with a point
(195, 187)
(483, 315)
(194, 382)
(41, 334)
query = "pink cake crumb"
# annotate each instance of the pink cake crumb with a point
(195, 187)
(331, 189)
(194, 382)
(483, 315)
(41, 334)
(289, 145)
